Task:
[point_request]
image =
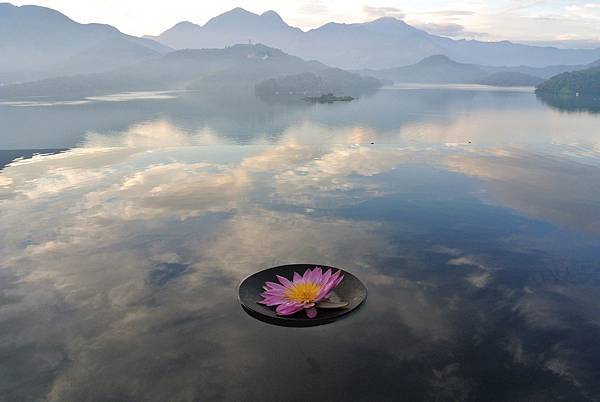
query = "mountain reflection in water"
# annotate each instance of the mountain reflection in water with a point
(121, 258)
(410, 117)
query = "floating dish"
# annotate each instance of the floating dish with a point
(346, 297)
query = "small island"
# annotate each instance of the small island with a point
(328, 98)
(317, 87)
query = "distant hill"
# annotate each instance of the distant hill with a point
(542, 72)
(434, 69)
(105, 55)
(585, 83)
(236, 68)
(511, 79)
(440, 69)
(38, 42)
(383, 43)
(331, 80)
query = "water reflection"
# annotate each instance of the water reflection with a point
(122, 283)
(564, 191)
(392, 116)
(572, 104)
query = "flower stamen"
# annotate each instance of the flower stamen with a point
(306, 292)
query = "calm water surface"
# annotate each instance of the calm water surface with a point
(473, 219)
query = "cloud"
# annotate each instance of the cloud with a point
(181, 189)
(81, 267)
(153, 134)
(479, 280)
(451, 29)
(280, 157)
(451, 13)
(564, 42)
(379, 12)
(585, 8)
(555, 190)
(312, 7)
(5, 181)
(339, 176)
(92, 271)
(518, 5)
(542, 21)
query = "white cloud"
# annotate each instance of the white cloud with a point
(313, 7)
(378, 12)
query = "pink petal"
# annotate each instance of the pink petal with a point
(289, 308)
(335, 276)
(328, 289)
(311, 276)
(270, 301)
(274, 292)
(284, 281)
(311, 312)
(332, 283)
(326, 277)
(297, 277)
(267, 295)
(273, 285)
(317, 274)
(323, 294)
(306, 274)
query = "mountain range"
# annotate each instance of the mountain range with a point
(382, 43)
(443, 70)
(38, 42)
(433, 69)
(234, 69)
(44, 51)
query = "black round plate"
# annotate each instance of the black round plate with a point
(351, 290)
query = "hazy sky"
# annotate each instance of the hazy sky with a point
(484, 19)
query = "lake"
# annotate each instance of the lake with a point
(471, 214)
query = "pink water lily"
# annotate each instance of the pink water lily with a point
(302, 292)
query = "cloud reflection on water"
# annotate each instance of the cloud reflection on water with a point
(447, 313)
(561, 190)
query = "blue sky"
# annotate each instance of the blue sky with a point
(525, 20)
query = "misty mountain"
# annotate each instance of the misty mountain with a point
(384, 43)
(38, 42)
(236, 68)
(225, 30)
(543, 72)
(440, 69)
(433, 69)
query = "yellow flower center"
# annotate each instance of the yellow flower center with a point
(304, 292)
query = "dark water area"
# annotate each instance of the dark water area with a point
(7, 156)
(473, 219)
